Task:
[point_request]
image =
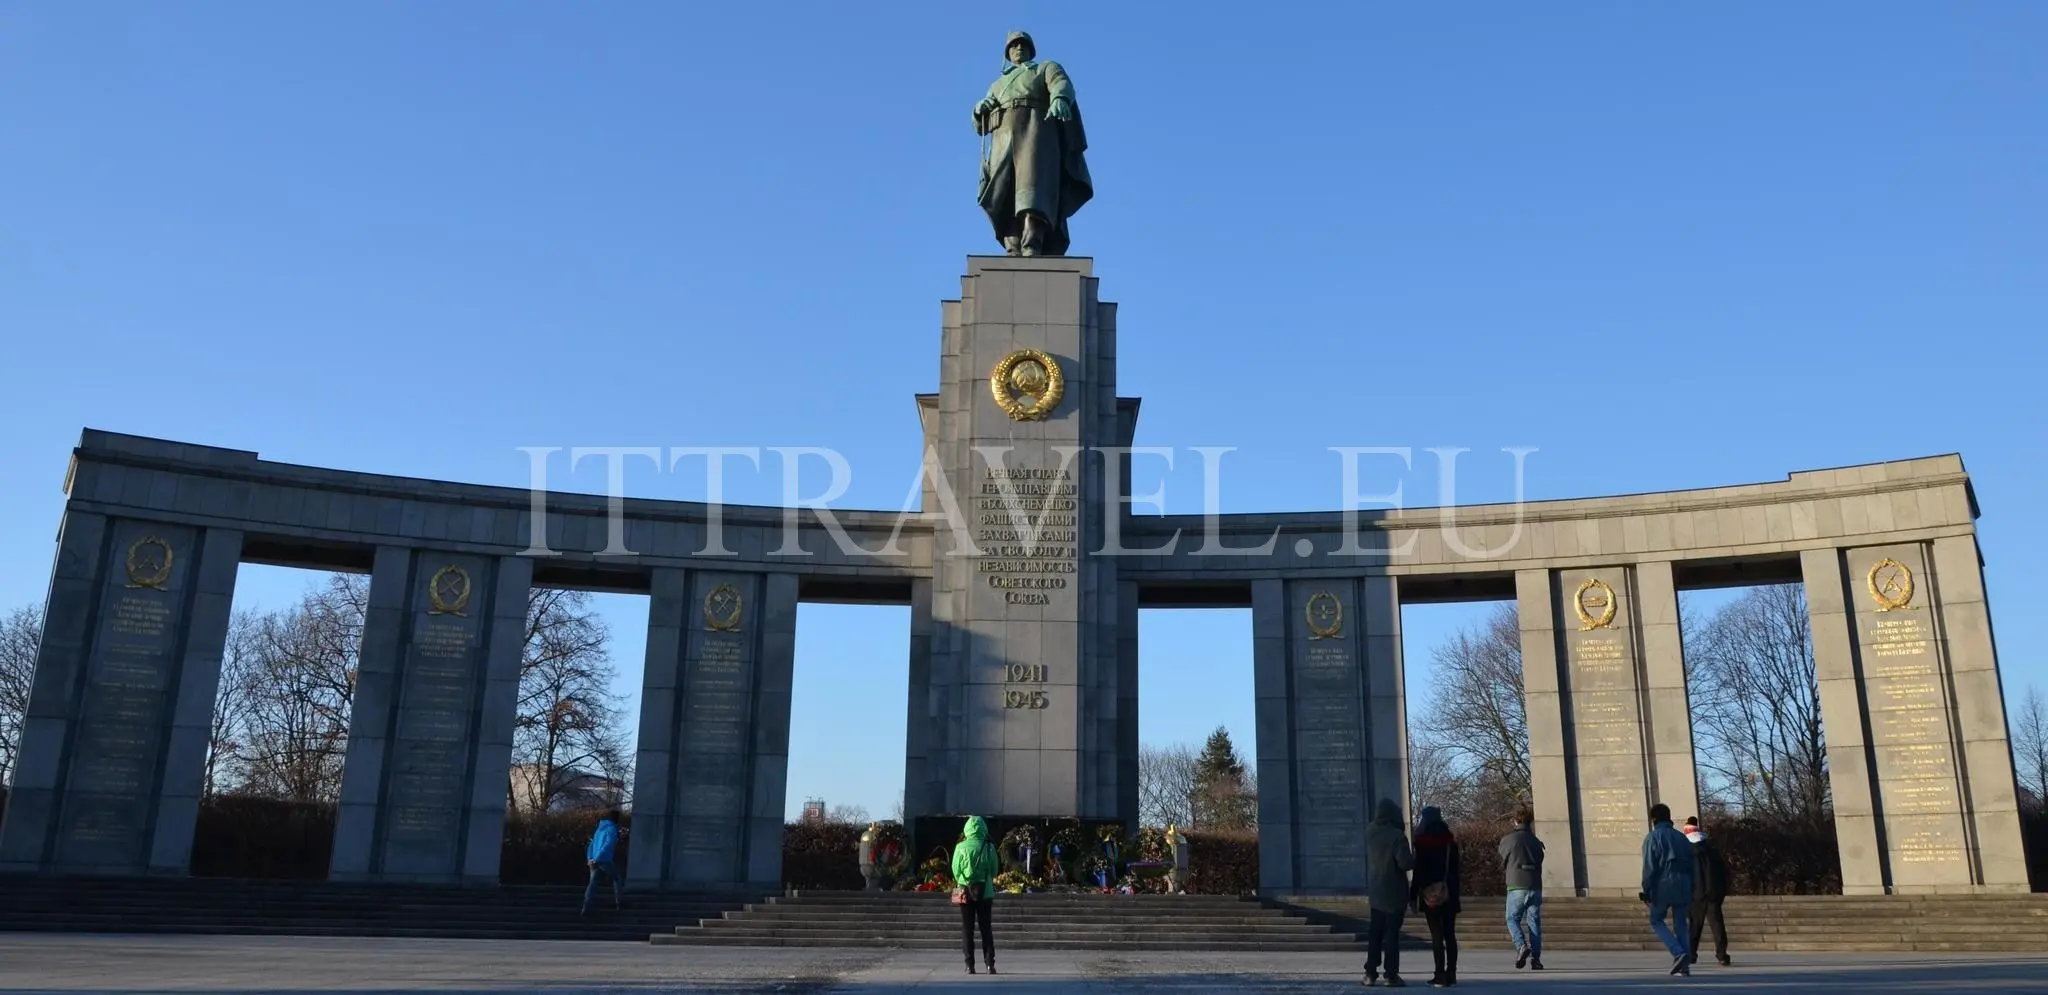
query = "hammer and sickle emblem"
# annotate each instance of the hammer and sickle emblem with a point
(722, 608)
(1890, 584)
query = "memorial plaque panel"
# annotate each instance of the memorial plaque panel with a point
(111, 789)
(1596, 624)
(1896, 626)
(430, 761)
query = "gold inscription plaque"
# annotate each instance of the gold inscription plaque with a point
(1027, 385)
(1325, 616)
(1594, 602)
(722, 608)
(1890, 584)
(149, 563)
(448, 591)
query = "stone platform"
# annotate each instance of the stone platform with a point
(120, 965)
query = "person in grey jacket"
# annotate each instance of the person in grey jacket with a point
(1667, 885)
(1521, 868)
(1387, 863)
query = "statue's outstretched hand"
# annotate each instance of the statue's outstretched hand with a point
(1061, 109)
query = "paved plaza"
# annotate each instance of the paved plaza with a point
(132, 964)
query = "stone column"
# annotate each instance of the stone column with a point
(1922, 686)
(113, 745)
(1126, 800)
(1675, 779)
(1549, 761)
(1386, 692)
(426, 781)
(1273, 700)
(1313, 735)
(1851, 781)
(714, 731)
(918, 714)
(1990, 795)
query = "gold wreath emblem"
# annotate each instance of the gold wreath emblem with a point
(448, 591)
(1595, 604)
(1891, 585)
(1027, 385)
(149, 563)
(1325, 616)
(722, 608)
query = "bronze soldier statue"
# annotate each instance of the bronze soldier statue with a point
(1034, 174)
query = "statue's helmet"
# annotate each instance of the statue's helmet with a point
(1030, 47)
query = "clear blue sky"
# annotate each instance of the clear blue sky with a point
(1670, 247)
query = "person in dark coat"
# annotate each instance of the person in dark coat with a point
(1387, 863)
(1434, 891)
(1709, 887)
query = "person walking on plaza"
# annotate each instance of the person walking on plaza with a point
(1387, 863)
(1435, 892)
(1521, 868)
(974, 875)
(1667, 885)
(1709, 887)
(602, 858)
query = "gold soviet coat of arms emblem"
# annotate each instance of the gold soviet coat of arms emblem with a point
(1027, 385)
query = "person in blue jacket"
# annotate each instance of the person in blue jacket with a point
(601, 855)
(1667, 885)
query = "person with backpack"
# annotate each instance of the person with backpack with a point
(974, 876)
(601, 856)
(1709, 887)
(1521, 869)
(1435, 892)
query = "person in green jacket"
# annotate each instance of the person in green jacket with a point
(974, 872)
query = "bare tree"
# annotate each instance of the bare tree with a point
(1168, 777)
(2030, 747)
(1435, 778)
(1476, 728)
(1756, 705)
(240, 664)
(295, 727)
(569, 722)
(21, 634)
(849, 815)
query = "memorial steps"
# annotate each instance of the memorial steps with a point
(1021, 922)
(2015, 923)
(318, 908)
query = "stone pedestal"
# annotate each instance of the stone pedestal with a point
(113, 746)
(424, 789)
(713, 755)
(1022, 713)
